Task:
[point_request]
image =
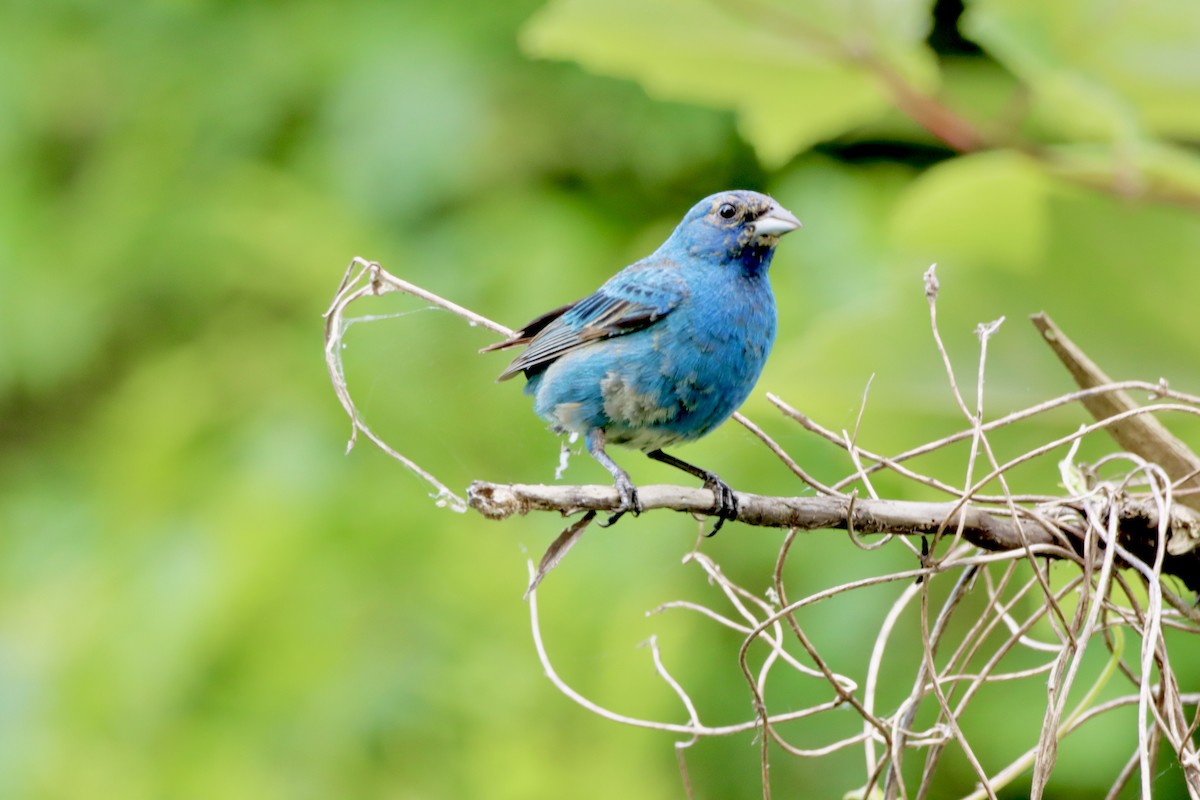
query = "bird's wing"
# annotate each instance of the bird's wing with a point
(525, 335)
(634, 298)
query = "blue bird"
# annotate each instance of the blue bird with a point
(668, 348)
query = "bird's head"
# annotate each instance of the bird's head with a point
(737, 226)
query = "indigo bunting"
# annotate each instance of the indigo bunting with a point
(668, 348)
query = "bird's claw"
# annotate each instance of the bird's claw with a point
(629, 501)
(725, 504)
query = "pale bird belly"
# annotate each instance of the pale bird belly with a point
(650, 420)
(623, 403)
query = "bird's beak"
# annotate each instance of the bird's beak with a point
(775, 222)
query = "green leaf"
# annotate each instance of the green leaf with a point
(1113, 70)
(792, 80)
(1145, 169)
(987, 208)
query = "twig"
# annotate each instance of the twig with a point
(990, 530)
(1142, 434)
(1101, 526)
(370, 281)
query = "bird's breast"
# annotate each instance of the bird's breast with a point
(706, 359)
(731, 322)
(674, 380)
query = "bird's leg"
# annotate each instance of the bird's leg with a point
(625, 488)
(724, 500)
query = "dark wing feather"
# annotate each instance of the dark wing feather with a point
(631, 300)
(525, 335)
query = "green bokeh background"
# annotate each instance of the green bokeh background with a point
(201, 597)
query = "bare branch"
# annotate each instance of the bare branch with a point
(1121, 535)
(991, 530)
(1142, 434)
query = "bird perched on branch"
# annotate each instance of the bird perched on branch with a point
(668, 348)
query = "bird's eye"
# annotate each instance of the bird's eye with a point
(726, 210)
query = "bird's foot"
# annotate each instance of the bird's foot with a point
(629, 501)
(725, 505)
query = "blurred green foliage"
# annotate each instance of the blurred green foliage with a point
(200, 597)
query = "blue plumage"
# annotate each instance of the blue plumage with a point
(669, 347)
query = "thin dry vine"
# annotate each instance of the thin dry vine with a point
(1139, 528)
